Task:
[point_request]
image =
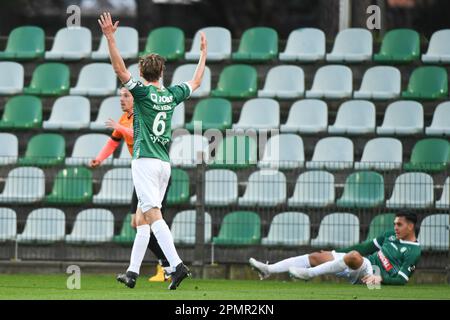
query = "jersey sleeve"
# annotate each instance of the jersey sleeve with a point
(116, 135)
(366, 248)
(181, 91)
(137, 89)
(407, 268)
(378, 241)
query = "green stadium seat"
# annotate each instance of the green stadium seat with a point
(427, 83)
(167, 42)
(71, 186)
(362, 190)
(46, 149)
(239, 228)
(214, 113)
(127, 233)
(237, 152)
(380, 224)
(50, 79)
(24, 43)
(431, 155)
(22, 112)
(399, 46)
(237, 81)
(178, 192)
(257, 44)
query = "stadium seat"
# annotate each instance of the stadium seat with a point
(109, 108)
(134, 71)
(179, 190)
(236, 152)
(432, 155)
(284, 82)
(259, 114)
(117, 187)
(127, 232)
(49, 79)
(178, 117)
(438, 48)
(213, 113)
(167, 42)
(9, 151)
(69, 113)
(221, 188)
(380, 224)
(11, 78)
(239, 228)
(427, 83)
(73, 43)
(354, 117)
(45, 149)
(219, 44)
(284, 151)
(337, 230)
(236, 81)
(351, 45)
(305, 44)
(24, 43)
(71, 186)
(380, 82)
(402, 118)
(288, 229)
(440, 124)
(332, 82)
(127, 41)
(124, 159)
(186, 72)
(44, 225)
(363, 189)
(258, 44)
(22, 112)
(96, 79)
(92, 226)
(184, 225)
(444, 202)
(333, 153)
(265, 188)
(381, 154)
(313, 189)
(8, 224)
(86, 148)
(434, 232)
(307, 116)
(399, 46)
(412, 190)
(24, 185)
(184, 150)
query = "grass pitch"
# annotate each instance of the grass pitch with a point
(49, 287)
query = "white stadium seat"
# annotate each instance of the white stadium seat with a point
(259, 113)
(186, 72)
(9, 151)
(434, 232)
(184, 225)
(354, 117)
(127, 41)
(96, 79)
(284, 82)
(109, 108)
(73, 43)
(266, 188)
(284, 151)
(337, 230)
(444, 202)
(44, 225)
(438, 48)
(440, 125)
(334, 153)
(92, 226)
(402, 118)
(381, 154)
(69, 113)
(313, 189)
(184, 150)
(11, 78)
(412, 190)
(332, 82)
(351, 45)
(380, 82)
(219, 44)
(117, 187)
(306, 45)
(288, 229)
(221, 188)
(8, 224)
(30, 181)
(307, 116)
(87, 148)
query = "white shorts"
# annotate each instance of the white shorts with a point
(354, 276)
(150, 178)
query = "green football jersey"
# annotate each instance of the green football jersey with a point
(153, 109)
(395, 257)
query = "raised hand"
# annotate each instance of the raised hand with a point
(110, 123)
(203, 43)
(105, 22)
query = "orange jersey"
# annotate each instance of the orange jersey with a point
(126, 121)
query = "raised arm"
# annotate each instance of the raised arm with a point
(108, 29)
(198, 74)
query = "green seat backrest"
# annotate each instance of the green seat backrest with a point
(237, 80)
(26, 42)
(179, 188)
(240, 227)
(429, 154)
(22, 112)
(214, 113)
(428, 82)
(380, 224)
(72, 185)
(259, 40)
(236, 152)
(362, 190)
(45, 149)
(127, 233)
(400, 45)
(50, 79)
(167, 42)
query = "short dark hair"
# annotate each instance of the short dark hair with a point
(151, 66)
(409, 216)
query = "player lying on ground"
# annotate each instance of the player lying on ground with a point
(153, 109)
(394, 253)
(123, 130)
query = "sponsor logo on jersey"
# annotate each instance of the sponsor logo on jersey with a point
(403, 249)
(392, 238)
(161, 140)
(384, 261)
(161, 99)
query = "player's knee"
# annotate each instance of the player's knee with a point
(353, 259)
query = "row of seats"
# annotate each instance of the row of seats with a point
(265, 188)
(258, 44)
(47, 225)
(237, 81)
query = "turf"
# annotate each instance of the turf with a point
(105, 287)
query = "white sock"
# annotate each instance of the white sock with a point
(330, 267)
(284, 265)
(165, 240)
(139, 247)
